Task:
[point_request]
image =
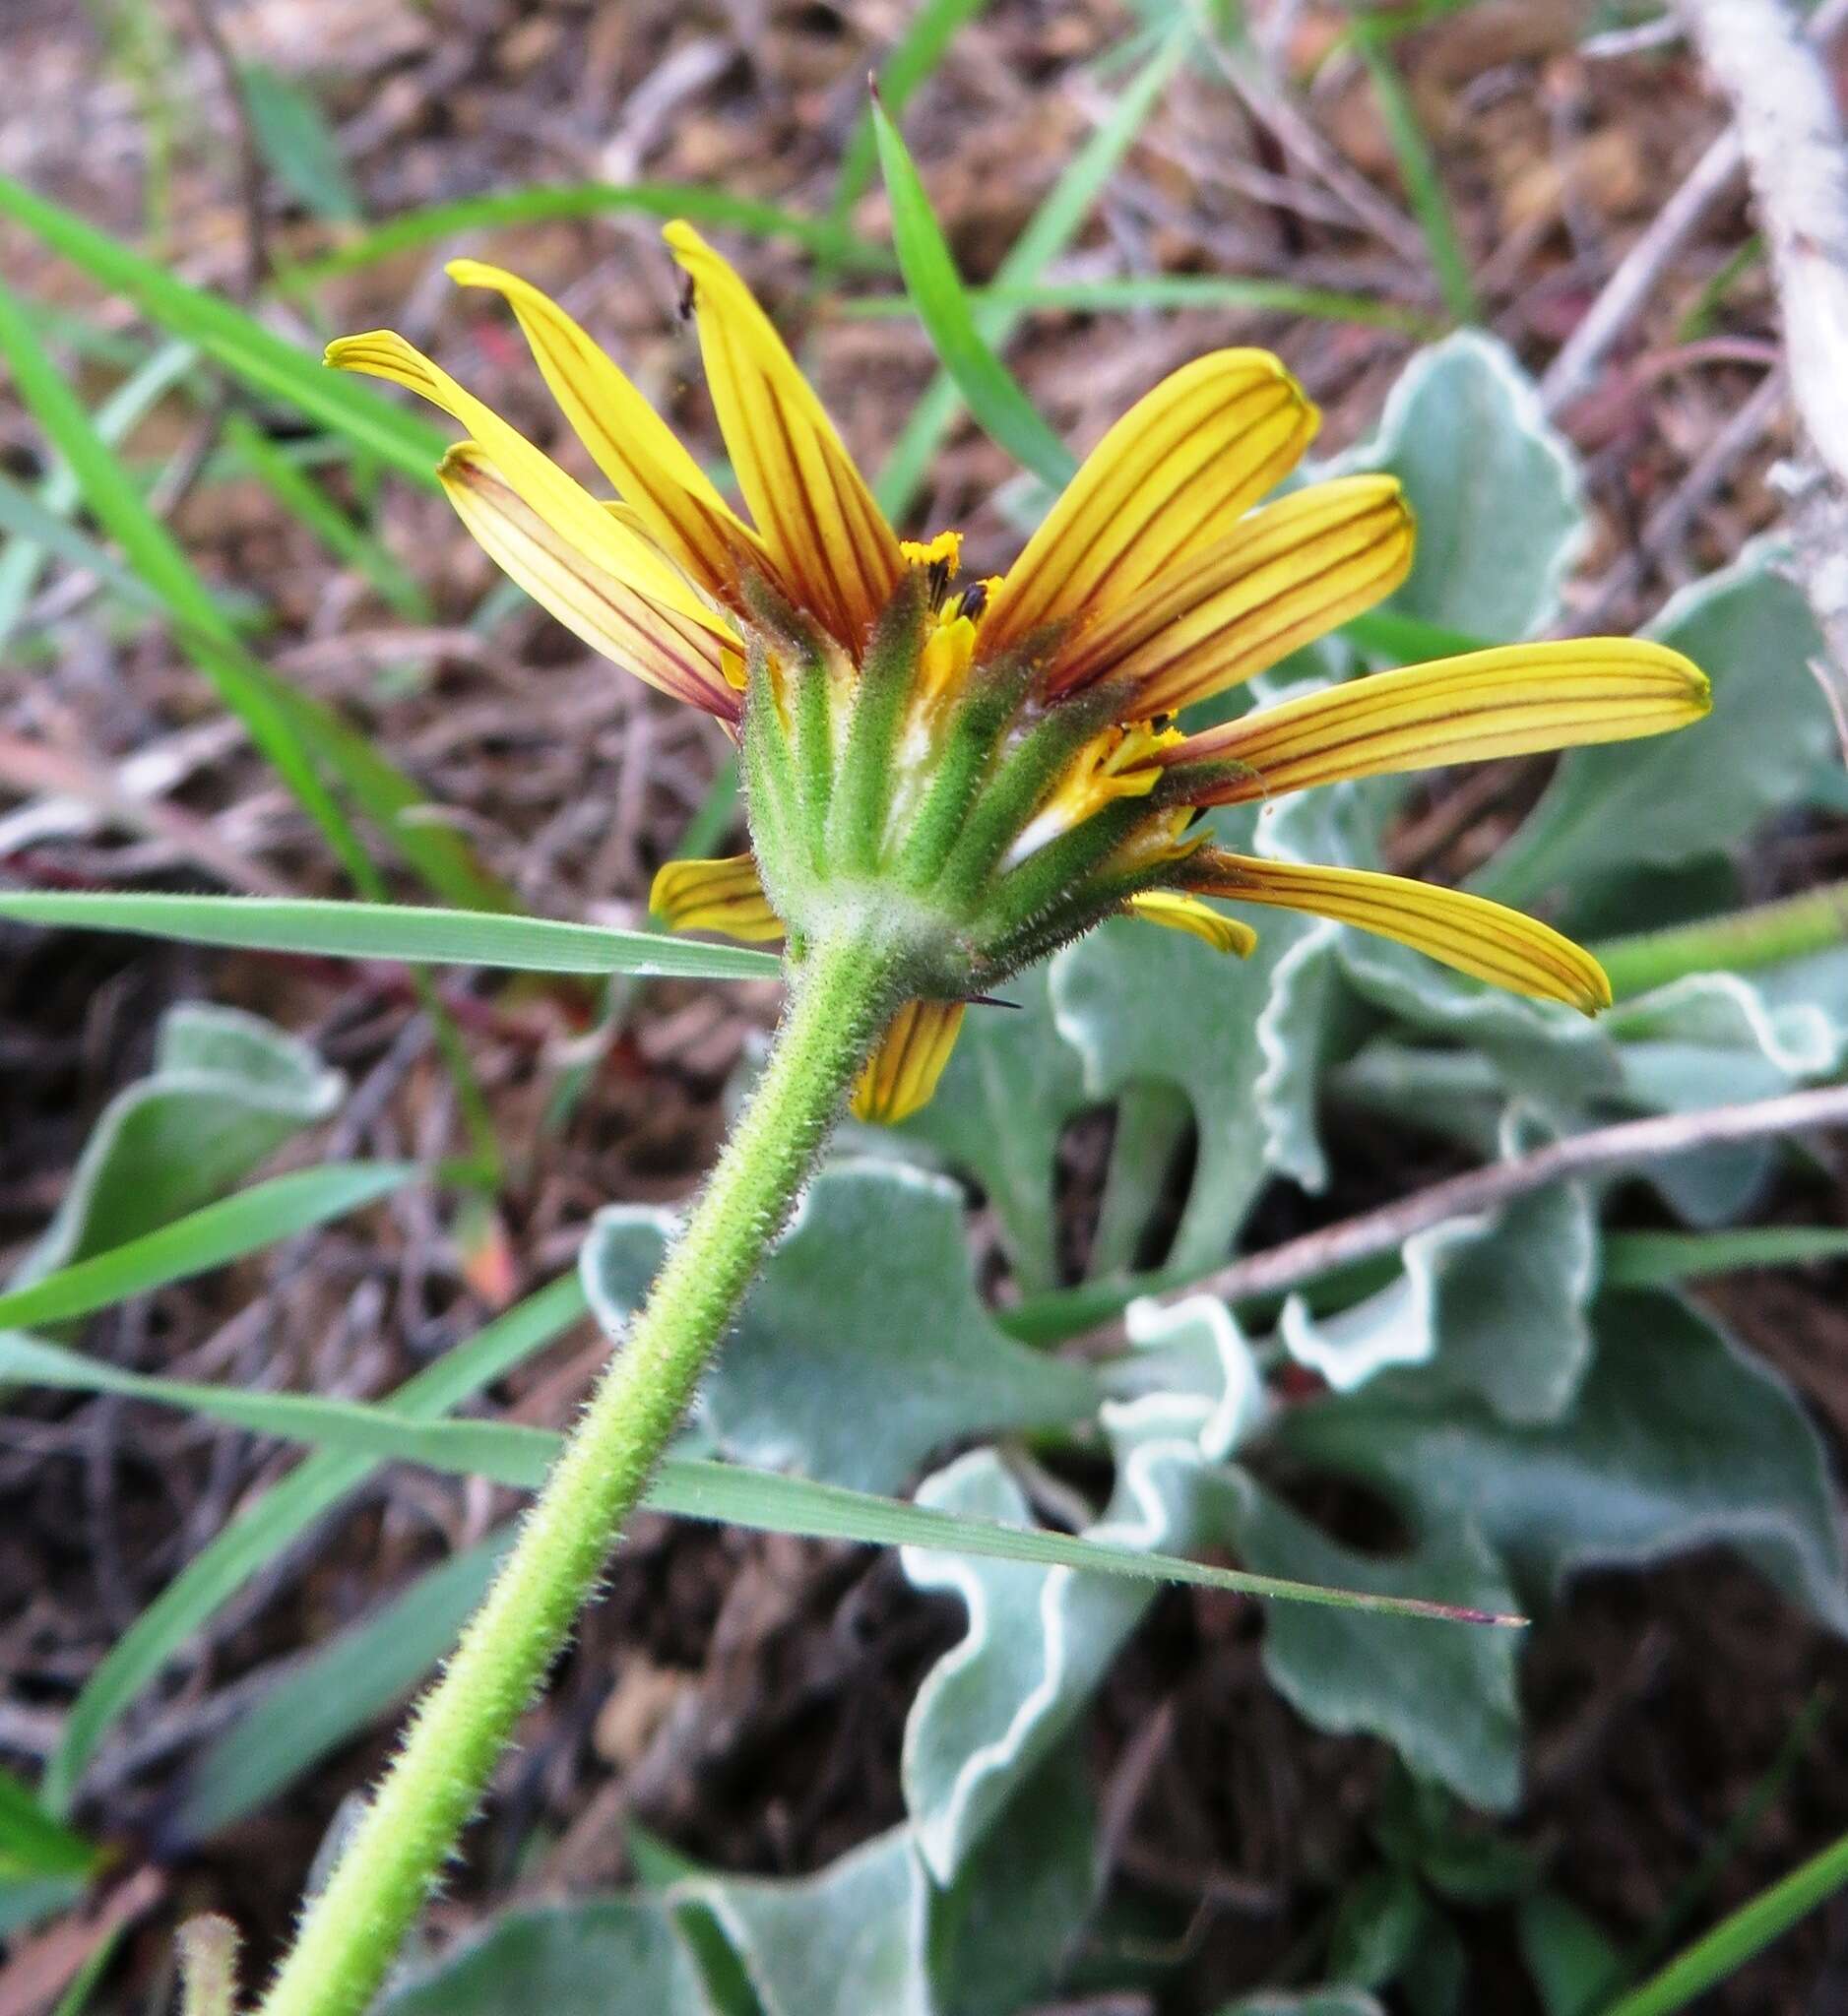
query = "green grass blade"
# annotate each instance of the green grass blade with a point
(303, 498)
(1662, 1259)
(407, 818)
(35, 532)
(237, 340)
(115, 419)
(334, 1693)
(286, 724)
(294, 731)
(1171, 290)
(297, 142)
(258, 1536)
(914, 57)
(1424, 187)
(33, 1899)
(1049, 231)
(692, 1488)
(386, 930)
(989, 389)
(1722, 1849)
(715, 815)
(544, 204)
(1739, 1936)
(212, 1237)
(1409, 640)
(705, 832)
(770, 1502)
(75, 2000)
(35, 1843)
(152, 552)
(1704, 313)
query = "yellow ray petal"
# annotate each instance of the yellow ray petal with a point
(629, 440)
(1465, 931)
(833, 548)
(1290, 573)
(696, 662)
(1188, 914)
(1167, 479)
(541, 484)
(714, 896)
(903, 1072)
(1508, 702)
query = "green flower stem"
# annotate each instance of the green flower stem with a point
(838, 1001)
(1764, 935)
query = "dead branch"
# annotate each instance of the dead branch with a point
(1790, 135)
(1632, 282)
(1631, 1142)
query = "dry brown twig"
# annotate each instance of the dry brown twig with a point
(1632, 282)
(1790, 139)
(1370, 1233)
(1669, 523)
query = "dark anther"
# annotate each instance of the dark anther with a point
(937, 576)
(686, 297)
(975, 601)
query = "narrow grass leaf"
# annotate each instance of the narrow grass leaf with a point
(689, 1488)
(1739, 1936)
(1704, 313)
(297, 142)
(1139, 292)
(33, 1899)
(36, 533)
(115, 419)
(294, 731)
(543, 205)
(1662, 1259)
(1424, 187)
(335, 1692)
(34, 1843)
(914, 55)
(409, 819)
(260, 1535)
(75, 2000)
(1722, 1852)
(303, 498)
(1049, 231)
(715, 815)
(212, 1237)
(1403, 640)
(991, 390)
(237, 340)
(152, 552)
(384, 930)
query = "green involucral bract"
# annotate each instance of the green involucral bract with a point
(895, 801)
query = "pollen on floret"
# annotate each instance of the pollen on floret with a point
(1120, 763)
(946, 550)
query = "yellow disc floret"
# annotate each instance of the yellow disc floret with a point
(945, 551)
(1120, 763)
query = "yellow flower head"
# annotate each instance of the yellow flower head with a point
(975, 773)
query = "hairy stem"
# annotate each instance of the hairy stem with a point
(352, 1931)
(1792, 928)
